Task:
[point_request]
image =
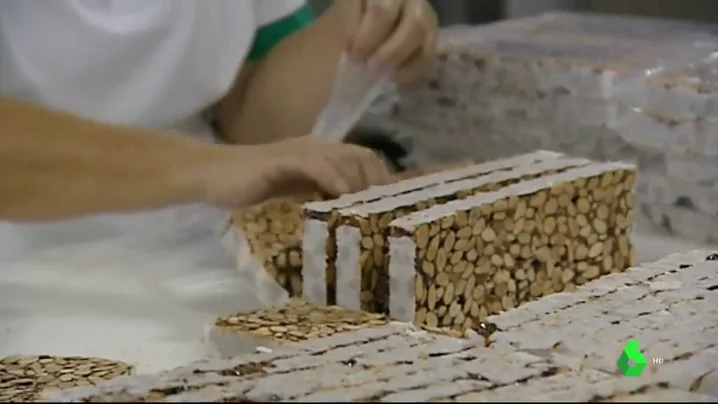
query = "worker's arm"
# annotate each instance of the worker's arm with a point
(278, 94)
(281, 94)
(54, 165)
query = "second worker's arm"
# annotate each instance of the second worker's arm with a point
(281, 94)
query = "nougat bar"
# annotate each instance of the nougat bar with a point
(457, 263)
(320, 219)
(362, 244)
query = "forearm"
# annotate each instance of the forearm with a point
(54, 165)
(282, 95)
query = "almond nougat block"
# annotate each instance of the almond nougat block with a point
(321, 219)
(457, 263)
(362, 237)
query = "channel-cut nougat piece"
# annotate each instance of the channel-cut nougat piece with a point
(683, 94)
(362, 237)
(457, 263)
(294, 322)
(320, 218)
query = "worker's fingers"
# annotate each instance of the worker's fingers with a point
(294, 176)
(419, 62)
(352, 12)
(361, 168)
(330, 167)
(378, 21)
(417, 27)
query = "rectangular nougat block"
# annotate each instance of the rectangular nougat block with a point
(684, 94)
(320, 219)
(585, 55)
(457, 263)
(677, 111)
(362, 237)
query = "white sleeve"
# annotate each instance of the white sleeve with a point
(269, 11)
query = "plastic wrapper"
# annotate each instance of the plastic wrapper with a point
(603, 87)
(678, 106)
(355, 89)
(562, 81)
(681, 104)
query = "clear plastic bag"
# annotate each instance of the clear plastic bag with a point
(560, 81)
(354, 90)
(677, 105)
(679, 92)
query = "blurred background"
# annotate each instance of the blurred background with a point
(481, 11)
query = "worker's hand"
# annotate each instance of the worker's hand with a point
(393, 35)
(241, 176)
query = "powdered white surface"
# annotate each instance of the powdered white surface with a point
(145, 302)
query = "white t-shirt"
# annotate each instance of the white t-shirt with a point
(157, 63)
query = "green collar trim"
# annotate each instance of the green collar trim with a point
(269, 35)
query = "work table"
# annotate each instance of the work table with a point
(146, 303)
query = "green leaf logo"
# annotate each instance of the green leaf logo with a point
(631, 353)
